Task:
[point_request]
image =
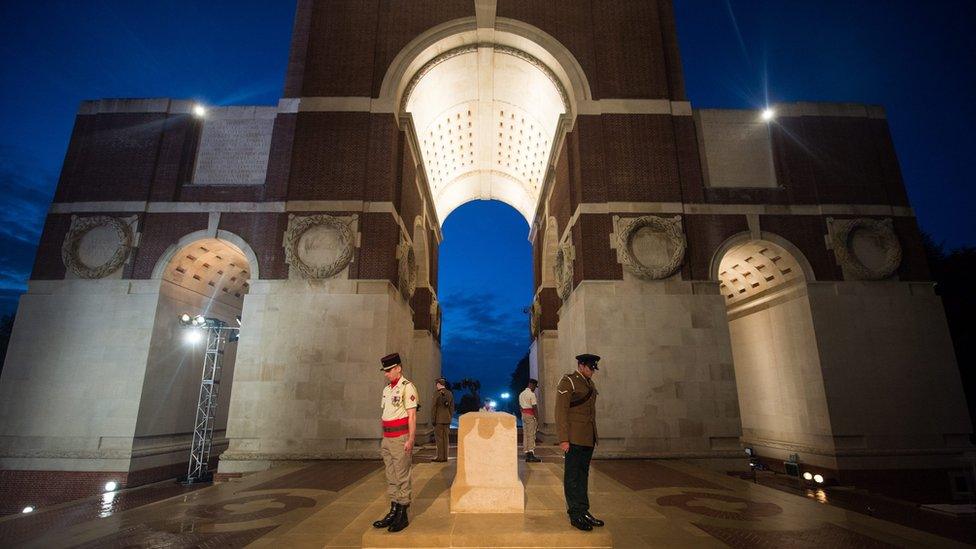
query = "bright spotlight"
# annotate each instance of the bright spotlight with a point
(111, 485)
(28, 509)
(492, 403)
(506, 395)
(768, 114)
(818, 479)
(193, 336)
(199, 110)
(185, 318)
(199, 320)
(808, 476)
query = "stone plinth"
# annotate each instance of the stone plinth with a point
(487, 474)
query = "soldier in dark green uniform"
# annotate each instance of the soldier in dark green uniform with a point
(576, 428)
(440, 415)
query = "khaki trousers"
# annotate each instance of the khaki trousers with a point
(397, 469)
(529, 425)
(442, 432)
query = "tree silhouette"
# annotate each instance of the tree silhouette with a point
(470, 402)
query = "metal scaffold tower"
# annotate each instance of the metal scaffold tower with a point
(218, 334)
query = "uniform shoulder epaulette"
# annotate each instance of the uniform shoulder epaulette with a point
(406, 382)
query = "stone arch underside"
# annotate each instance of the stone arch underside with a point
(486, 119)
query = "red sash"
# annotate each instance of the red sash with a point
(528, 411)
(396, 427)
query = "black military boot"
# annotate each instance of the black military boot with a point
(530, 457)
(592, 520)
(580, 523)
(388, 519)
(400, 520)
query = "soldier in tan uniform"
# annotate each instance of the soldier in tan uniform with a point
(440, 415)
(400, 401)
(576, 428)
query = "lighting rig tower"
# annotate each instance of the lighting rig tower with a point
(218, 334)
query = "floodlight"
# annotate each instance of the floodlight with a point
(492, 403)
(193, 336)
(185, 319)
(506, 395)
(199, 320)
(199, 110)
(818, 479)
(808, 476)
(28, 509)
(111, 485)
(768, 114)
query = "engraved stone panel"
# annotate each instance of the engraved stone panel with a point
(234, 146)
(737, 147)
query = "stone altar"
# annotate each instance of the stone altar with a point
(487, 478)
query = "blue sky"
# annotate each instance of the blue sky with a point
(918, 59)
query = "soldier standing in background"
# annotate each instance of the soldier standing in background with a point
(530, 419)
(440, 415)
(399, 404)
(576, 427)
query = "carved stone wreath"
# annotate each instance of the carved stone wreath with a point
(842, 240)
(407, 269)
(535, 317)
(298, 226)
(81, 226)
(670, 228)
(563, 269)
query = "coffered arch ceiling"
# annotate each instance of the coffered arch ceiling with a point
(485, 117)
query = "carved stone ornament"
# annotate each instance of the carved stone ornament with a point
(300, 255)
(563, 269)
(629, 232)
(882, 234)
(435, 317)
(535, 317)
(407, 269)
(82, 227)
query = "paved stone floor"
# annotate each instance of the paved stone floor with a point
(332, 504)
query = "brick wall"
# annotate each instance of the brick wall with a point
(159, 232)
(264, 232)
(377, 252)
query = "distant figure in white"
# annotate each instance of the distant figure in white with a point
(530, 419)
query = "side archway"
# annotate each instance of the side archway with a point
(782, 400)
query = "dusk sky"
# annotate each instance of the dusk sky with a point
(917, 59)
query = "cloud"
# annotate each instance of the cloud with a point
(26, 189)
(484, 337)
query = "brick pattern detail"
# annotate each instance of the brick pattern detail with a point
(705, 233)
(330, 152)
(410, 202)
(279, 157)
(549, 299)
(420, 303)
(806, 232)
(177, 152)
(594, 258)
(159, 232)
(640, 158)
(48, 264)
(837, 160)
(111, 157)
(689, 159)
(377, 253)
(400, 21)
(46, 488)
(264, 232)
(222, 193)
(626, 49)
(295, 73)
(339, 56)
(589, 183)
(385, 159)
(559, 201)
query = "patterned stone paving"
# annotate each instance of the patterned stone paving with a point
(332, 504)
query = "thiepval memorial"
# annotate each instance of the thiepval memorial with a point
(750, 279)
